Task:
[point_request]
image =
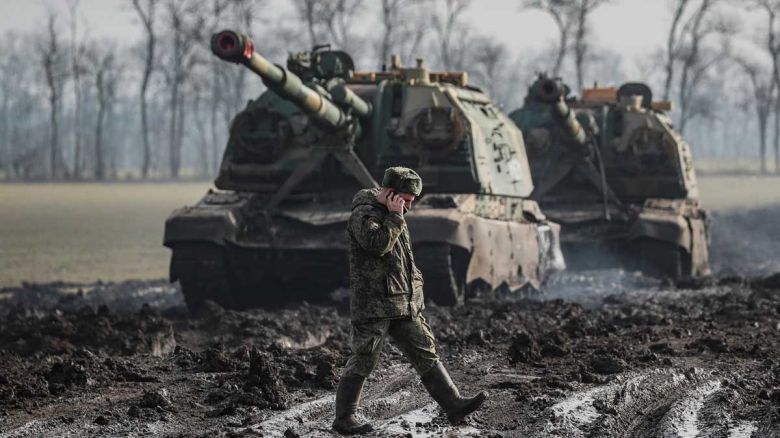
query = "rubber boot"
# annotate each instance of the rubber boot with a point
(347, 399)
(439, 385)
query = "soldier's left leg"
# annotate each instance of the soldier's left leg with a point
(368, 338)
(415, 339)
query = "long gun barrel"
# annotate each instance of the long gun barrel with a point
(236, 47)
(552, 92)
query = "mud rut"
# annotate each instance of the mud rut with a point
(602, 354)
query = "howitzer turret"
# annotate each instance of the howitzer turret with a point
(583, 155)
(312, 100)
(238, 48)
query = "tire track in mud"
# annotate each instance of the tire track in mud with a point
(652, 403)
(395, 407)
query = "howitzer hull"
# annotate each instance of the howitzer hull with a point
(226, 249)
(662, 237)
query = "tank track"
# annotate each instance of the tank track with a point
(443, 283)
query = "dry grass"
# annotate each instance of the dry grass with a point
(730, 192)
(85, 232)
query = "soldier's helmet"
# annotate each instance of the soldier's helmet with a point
(402, 179)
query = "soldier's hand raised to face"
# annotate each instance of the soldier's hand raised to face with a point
(395, 203)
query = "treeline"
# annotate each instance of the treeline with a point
(75, 107)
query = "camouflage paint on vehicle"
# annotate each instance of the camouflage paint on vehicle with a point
(274, 231)
(612, 170)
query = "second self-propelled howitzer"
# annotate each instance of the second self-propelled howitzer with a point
(612, 170)
(274, 229)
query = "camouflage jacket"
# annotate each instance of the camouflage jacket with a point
(384, 281)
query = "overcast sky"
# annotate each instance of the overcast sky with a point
(628, 25)
(633, 29)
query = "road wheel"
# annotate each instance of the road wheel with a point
(443, 283)
(202, 271)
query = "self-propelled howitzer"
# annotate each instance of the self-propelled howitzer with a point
(274, 231)
(629, 198)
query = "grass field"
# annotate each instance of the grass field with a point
(85, 232)
(728, 192)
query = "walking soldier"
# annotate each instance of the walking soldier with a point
(387, 299)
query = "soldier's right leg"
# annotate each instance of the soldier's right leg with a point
(368, 338)
(415, 339)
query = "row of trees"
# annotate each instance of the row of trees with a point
(77, 107)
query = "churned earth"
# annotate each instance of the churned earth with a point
(607, 354)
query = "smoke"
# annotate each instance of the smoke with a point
(591, 288)
(745, 242)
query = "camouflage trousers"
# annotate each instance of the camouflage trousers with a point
(412, 336)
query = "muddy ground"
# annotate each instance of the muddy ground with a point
(601, 354)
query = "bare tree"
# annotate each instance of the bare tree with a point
(309, 11)
(331, 21)
(245, 12)
(696, 58)
(582, 11)
(147, 15)
(489, 61)
(764, 95)
(561, 11)
(569, 16)
(216, 82)
(200, 124)
(6, 81)
(52, 62)
(453, 35)
(76, 70)
(673, 41)
(184, 24)
(24, 143)
(771, 8)
(339, 17)
(404, 26)
(105, 80)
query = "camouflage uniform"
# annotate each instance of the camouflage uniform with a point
(386, 299)
(386, 288)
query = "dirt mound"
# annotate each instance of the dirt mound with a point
(28, 333)
(127, 297)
